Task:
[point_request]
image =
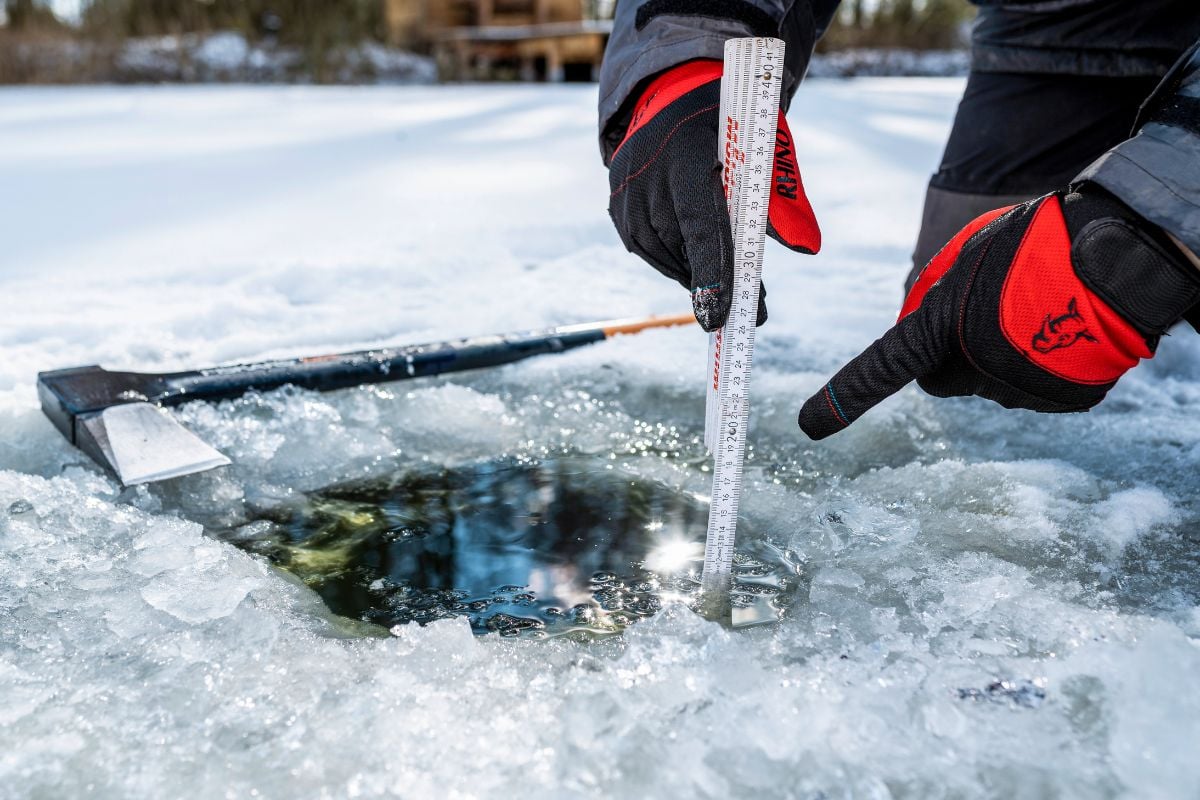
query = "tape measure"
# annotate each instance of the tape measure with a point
(750, 90)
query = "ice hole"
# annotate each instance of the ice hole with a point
(558, 547)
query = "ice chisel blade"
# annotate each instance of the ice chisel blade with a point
(142, 443)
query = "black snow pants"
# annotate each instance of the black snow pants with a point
(1051, 89)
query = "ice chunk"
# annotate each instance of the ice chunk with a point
(195, 599)
(1133, 513)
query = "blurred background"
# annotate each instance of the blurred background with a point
(406, 41)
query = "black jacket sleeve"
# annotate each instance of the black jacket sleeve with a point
(650, 36)
(1157, 172)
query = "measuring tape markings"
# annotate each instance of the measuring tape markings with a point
(750, 91)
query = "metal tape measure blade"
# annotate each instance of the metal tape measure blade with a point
(750, 91)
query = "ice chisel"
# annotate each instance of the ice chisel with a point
(116, 417)
(750, 89)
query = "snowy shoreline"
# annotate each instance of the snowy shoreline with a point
(228, 57)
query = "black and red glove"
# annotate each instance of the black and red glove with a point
(667, 199)
(1040, 306)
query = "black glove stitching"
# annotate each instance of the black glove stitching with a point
(662, 146)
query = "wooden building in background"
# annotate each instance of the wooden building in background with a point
(548, 40)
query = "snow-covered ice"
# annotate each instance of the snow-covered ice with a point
(998, 604)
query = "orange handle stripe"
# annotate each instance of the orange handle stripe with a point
(616, 327)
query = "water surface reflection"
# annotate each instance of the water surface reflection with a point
(563, 546)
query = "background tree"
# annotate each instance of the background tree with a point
(319, 30)
(915, 24)
(29, 15)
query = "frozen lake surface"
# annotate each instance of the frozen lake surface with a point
(995, 603)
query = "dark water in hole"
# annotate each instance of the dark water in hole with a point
(567, 546)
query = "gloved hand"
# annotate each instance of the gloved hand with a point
(667, 199)
(1040, 306)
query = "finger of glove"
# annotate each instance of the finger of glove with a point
(631, 213)
(913, 348)
(762, 305)
(706, 244)
(656, 255)
(649, 245)
(790, 217)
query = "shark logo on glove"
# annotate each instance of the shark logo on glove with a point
(1062, 331)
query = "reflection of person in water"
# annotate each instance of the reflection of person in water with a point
(1054, 251)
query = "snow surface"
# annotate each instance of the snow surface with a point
(999, 604)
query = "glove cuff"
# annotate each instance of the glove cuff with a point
(1127, 262)
(668, 87)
